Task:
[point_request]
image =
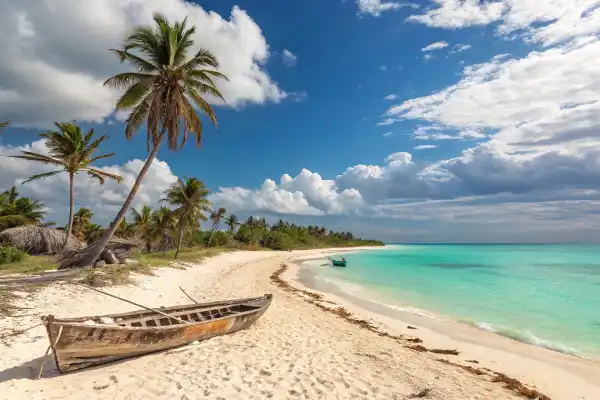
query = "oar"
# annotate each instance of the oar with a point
(135, 304)
(188, 296)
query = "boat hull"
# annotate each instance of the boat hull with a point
(77, 346)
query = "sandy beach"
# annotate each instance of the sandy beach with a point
(297, 350)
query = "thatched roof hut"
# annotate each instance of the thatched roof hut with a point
(37, 240)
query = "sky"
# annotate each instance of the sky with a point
(422, 121)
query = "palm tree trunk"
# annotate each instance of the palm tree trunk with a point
(71, 207)
(96, 249)
(180, 240)
(212, 232)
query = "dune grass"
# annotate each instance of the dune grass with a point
(29, 265)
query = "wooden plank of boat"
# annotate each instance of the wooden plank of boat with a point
(88, 341)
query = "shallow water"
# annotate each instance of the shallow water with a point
(546, 295)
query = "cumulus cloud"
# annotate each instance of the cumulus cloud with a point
(376, 7)
(435, 46)
(51, 71)
(390, 97)
(104, 200)
(306, 194)
(289, 58)
(547, 22)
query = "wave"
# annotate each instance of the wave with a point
(527, 337)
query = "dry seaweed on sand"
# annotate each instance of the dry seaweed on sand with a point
(37, 240)
(421, 394)
(510, 383)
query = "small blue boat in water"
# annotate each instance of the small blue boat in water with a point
(338, 263)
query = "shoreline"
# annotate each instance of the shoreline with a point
(532, 364)
(296, 350)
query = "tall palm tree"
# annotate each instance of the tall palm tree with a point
(71, 151)
(232, 222)
(159, 92)
(189, 196)
(142, 224)
(215, 217)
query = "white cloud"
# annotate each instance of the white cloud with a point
(435, 46)
(104, 200)
(425, 147)
(548, 22)
(387, 134)
(527, 101)
(428, 57)
(459, 48)
(376, 7)
(49, 73)
(305, 194)
(440, 132)
(390, 97)
(386, 122)
(382, 68)
(460, 13)
(289, 58)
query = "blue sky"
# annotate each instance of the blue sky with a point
(488, 131)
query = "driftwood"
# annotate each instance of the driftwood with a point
(115, 252)
(38, 240)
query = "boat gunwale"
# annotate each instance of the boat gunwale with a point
(51, 320)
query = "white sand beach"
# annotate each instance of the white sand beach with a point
(295, 351)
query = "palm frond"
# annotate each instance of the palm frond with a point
(102, 175)
(27, 155)
(41, 176)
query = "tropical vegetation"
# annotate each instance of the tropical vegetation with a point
(70, 151)
(166, 90)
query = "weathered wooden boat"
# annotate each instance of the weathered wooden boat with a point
(89, 341)
(338, 263)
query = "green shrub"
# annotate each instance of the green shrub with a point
(279, 241)
(9, 254)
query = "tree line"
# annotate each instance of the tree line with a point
(164, 228)
(168, 83)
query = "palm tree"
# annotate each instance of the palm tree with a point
(252, 223)
(18, 211)
(159, 92)
(215, 217)
(71, 151)
(81, 220)
(163, 222)
(189, 196)
(142, 225)
(125, 230)
(232, 222)
(92, 232)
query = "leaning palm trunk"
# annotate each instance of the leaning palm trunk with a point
(71, 207)
(212, 232)
(96, 249)
(180, 237)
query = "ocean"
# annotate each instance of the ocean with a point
(545, 295)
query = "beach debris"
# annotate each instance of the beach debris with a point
(511, 383)
(421, 394)
(116, 252)
(472, 361)
(516, 386)
(410, 327)
(188, 296)
(414, 340)
(445, 351)
(418, 347)
(37, 240)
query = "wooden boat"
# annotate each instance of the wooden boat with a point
(338, 263)
(88, 341)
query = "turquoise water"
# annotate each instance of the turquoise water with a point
(547, 295)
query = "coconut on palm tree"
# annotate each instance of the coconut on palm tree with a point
(215, 217)
(142, 225)
(167, 76)
(189, 198)
(71, 151)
